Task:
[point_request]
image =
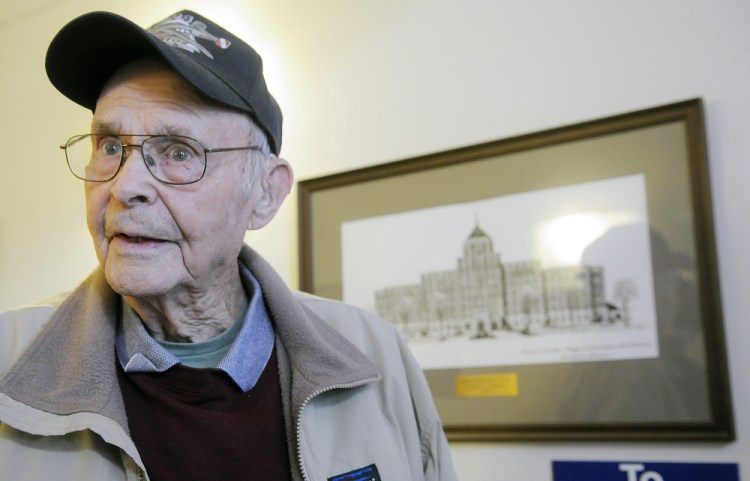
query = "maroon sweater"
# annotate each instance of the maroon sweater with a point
(196, 424)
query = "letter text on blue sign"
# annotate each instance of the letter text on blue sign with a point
(643, 471)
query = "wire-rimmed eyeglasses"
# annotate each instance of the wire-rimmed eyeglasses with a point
(171, 159)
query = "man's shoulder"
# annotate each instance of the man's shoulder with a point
(20, 325)
(360, 326)
(37, 311)
(334, 311)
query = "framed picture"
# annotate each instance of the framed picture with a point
(560, 285)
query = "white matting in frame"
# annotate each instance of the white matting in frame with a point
(593, 225)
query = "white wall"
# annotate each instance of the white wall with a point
(368, 82)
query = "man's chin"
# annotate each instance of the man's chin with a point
(135, 281)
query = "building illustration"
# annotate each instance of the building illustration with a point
(483, 296)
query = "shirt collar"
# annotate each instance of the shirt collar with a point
(244, 362)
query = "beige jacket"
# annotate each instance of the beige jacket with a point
(353, 395)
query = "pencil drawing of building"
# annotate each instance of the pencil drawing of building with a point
(482, 296)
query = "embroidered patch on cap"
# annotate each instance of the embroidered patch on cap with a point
(370, 473)
(182, 30)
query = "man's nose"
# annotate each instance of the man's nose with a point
(134, 182)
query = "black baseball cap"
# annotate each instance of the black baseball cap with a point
(88, 50)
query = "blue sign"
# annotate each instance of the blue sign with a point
(643, 471)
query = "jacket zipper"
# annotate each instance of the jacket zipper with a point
(304, 405)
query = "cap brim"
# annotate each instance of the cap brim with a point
(88, 50)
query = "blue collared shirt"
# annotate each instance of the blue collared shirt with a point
(244, 361)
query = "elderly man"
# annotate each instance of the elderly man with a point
(184, 356)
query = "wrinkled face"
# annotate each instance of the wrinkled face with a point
(152, 238)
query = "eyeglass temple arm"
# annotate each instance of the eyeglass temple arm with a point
(229, 149)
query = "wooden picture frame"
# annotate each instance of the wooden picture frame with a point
(676, 388)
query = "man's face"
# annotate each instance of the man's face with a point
(154, 239)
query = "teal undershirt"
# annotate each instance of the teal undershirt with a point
(207, 353)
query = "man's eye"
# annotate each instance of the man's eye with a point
(109, 148)
(180, 154)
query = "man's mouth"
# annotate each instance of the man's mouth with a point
(135, 239)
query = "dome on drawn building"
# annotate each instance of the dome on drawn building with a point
(478, 232)
(479, 244)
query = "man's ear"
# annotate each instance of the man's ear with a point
(275, 184)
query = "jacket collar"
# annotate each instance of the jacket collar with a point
(69, 367)
(318, 356)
